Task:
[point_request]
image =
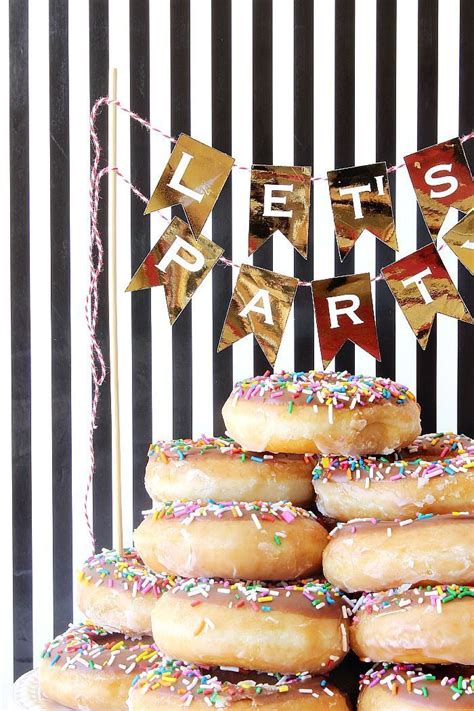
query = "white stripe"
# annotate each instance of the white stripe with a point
(162, 391)
(365, 112)
(242, 152)
(6, 649)
(79, 147)
(40, 277)
(448, 126)
(407, 61)
(119, 58)
(201, 129)
(324, 117)
(283, 149)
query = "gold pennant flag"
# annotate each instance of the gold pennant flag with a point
(441, 178)
(279, 204)
(344, 312)
(260, 304)
(193, 177)
(460, 239)
(361, 201)
(179, 262)
(422, 286)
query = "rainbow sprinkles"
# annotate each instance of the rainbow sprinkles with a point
(320, 389)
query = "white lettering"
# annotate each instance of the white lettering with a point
(356, 191)
(349, 310)
(418, 280)
(265, 309)
(269, 199)
(449, 180)
(178, 175)
(173, 256)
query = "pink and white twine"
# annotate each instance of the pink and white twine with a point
(96, 263)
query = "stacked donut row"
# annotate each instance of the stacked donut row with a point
(224, 572)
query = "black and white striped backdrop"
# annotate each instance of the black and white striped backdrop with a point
(328, 83)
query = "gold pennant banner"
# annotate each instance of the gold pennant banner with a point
(344, 312)
(441, 179)
(279, 204)
(179, 262)
(260, 304)
(193, 177)
(460, 239)
(361, 200)
(422, 287)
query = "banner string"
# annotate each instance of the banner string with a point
(96, 263)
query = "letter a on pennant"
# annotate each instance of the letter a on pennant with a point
(441, 178)
(361, 202)
(260, 304)
(344, 312)
(279, 204)
(193, 177)
(422, 287)
(179, 262)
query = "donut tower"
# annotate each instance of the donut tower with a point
(239, 592)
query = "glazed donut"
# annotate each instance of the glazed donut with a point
(232, 540)
(91, 668)
(403, 687)
(433, 475)
(432, 625)
(321, 412)
(211, 468)
(253, 625)
(173, 684)
(119, 591)
(371, 555)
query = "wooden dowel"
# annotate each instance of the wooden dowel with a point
(113, 331)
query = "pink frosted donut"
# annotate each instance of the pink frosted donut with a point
(173, 684)
(218, 468)
(407, 687)
(321, 412)
(435, 474)
(232, 539)
(91, 668)
(119, 591)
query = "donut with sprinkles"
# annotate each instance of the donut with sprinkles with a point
(435, 474)
(119, 591)
(283, 627)
(173, 684)
(89, 667)
(372, 556)
(218, 468)
(420, 625)
(407, 687)
(232, 539)
(317, 412)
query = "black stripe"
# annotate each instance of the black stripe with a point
(60, 314)
(99, 86)
(427, 135)
(465, 286)
(303, 155)
(140, 245)
(222, 213)
(386, 133)
(181, 123)
(262, 74)
(344, 131)
(20, 337)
